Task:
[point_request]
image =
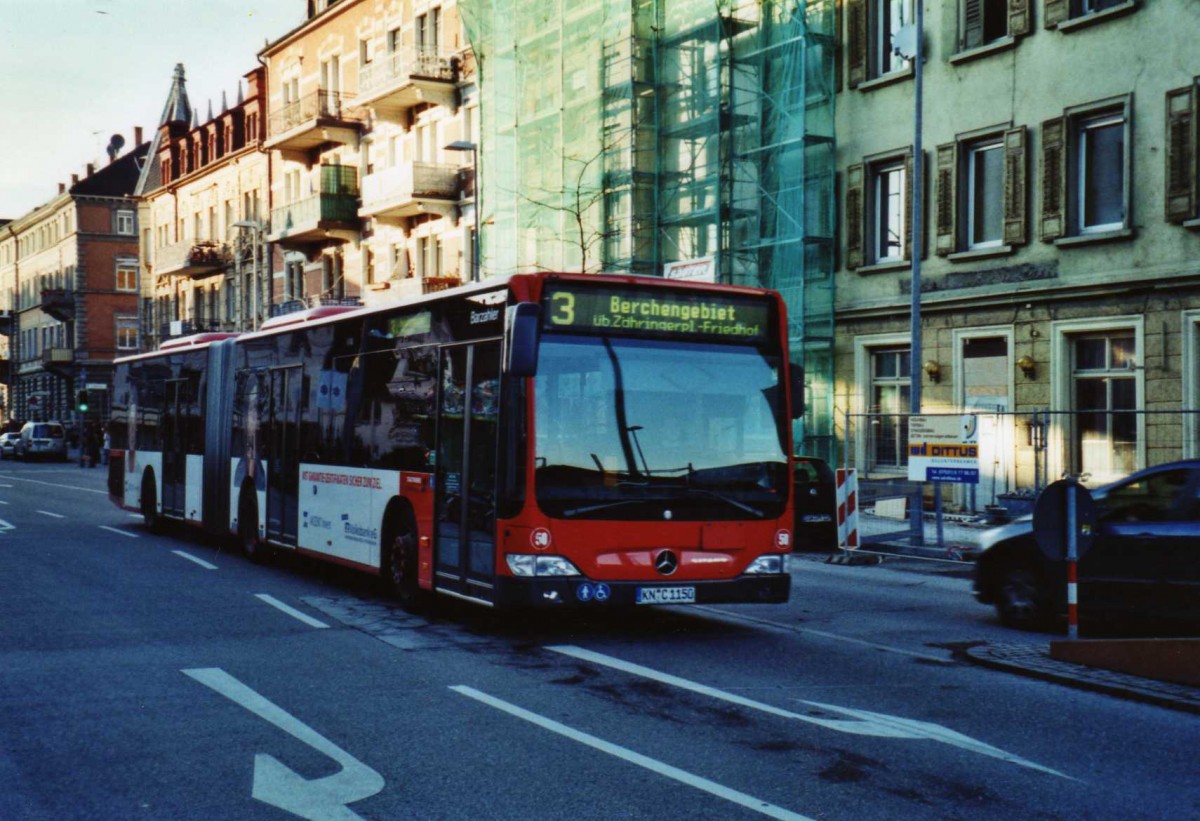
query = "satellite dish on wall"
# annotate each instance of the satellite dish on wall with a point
(114, 146)
(904, 42)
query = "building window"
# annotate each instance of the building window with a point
(1086, 162)
(890, 404)
(878, 222)
(125, 222)
(1104, 404)
(870, 28)
(983, 22)
(981, 185)
(127, 333)
(127, 278)
(1060, 11)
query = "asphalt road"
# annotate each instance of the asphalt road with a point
(157, 676)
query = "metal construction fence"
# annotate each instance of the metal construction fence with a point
(1017, 455)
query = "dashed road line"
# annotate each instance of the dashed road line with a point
(59, 485)
(191, 558)
(291, 611)
(117, 530)
(50, 514)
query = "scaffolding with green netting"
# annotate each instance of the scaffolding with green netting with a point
(624, 135)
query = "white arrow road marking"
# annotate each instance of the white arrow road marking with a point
(711, 787)
(868, 724)
(196, 559)
(5, 526)
(115, 530)
(274, 783)
(291, 611)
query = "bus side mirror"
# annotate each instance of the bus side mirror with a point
(524, 322)
(797, 392)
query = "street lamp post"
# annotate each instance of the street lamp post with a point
(467, 145)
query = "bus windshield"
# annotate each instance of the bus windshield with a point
(658, 429)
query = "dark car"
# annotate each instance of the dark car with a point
(1144, 560)
(816, 505)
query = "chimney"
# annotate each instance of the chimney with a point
(137, 136)
(91, 169)
(62, 188)
(74, 180)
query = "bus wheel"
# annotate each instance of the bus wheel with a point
(399, 546)
(149, 501)
(254, 549)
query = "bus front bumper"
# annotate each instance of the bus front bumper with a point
(512, 591)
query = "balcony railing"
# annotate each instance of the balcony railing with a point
(430, 285)
(58, 303)
(400, 80)
(320, 117)
(407, 190)
(187, 327)
(52, 357)
(192, 258)
(291, 306)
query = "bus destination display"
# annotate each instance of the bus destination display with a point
(657, 313)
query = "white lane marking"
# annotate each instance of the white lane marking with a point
(278, 785)
(791, 628)
(710, 787)
(877, 725)
(192, 558)
(5, 485)
(291, 611)
(3, 503)
(115, 530)
(51, 515)
(57, 484)
(5, 526)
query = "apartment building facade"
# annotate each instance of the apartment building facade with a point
(68, 277)
(1060, 264)
(367, 203)
(203, 204)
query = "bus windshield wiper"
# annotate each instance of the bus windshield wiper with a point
(729, 500)
(575, 511)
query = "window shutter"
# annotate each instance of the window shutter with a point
(856, 42)
(839, 46)
(854, 216)
(908, 211)
(947, 162)
(1056, 11)
(1054, 179)
(1020, 22)
(1181, 154)
(1015, 176)
(972, 12)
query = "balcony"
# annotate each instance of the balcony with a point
(330, 214)
(58, 303)
(396, 82)
(190, 259)
(187, 327)
(431, 285)
(313, 120)
(408, 190)
(58, 360)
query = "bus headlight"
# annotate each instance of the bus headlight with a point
(530, 565)
(768, 564)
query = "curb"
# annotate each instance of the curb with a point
(1034, 661)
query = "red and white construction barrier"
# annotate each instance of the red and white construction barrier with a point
(847, 509)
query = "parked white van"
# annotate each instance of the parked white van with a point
(45, 440)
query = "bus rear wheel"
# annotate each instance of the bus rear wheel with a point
(399, 544)
(149, 504)
(252, 546)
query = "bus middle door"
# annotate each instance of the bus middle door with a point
(465, 502)
(174, 454)
(283, 454)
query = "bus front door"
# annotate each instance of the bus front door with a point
(468, 413)
(283, 454)
(174, 454)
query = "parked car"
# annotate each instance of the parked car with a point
(46, 440)
(8, 444)
(1144, 560)
(816, 505)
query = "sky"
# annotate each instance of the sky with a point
(75, 72)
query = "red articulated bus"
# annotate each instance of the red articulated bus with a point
(542, 439)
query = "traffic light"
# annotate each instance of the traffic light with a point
(81, 401)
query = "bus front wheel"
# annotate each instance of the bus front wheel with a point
(399, 545)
